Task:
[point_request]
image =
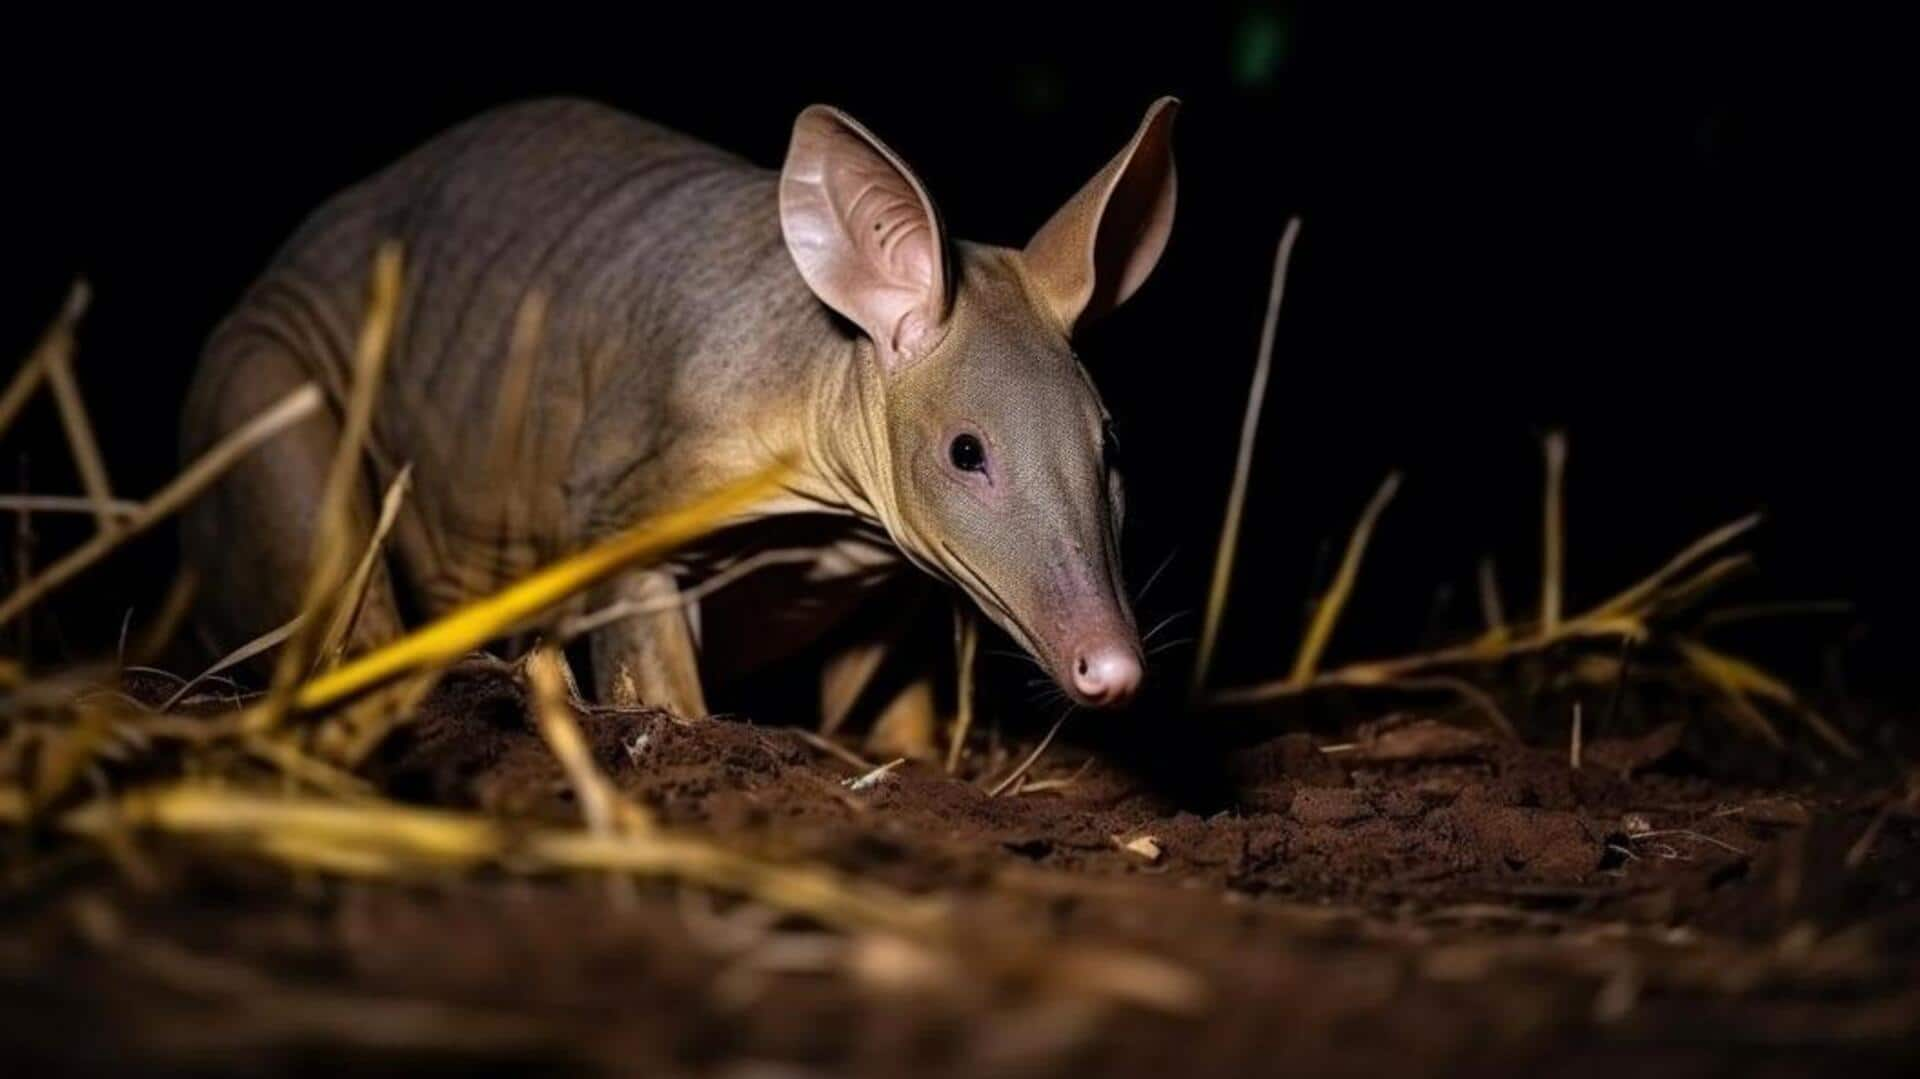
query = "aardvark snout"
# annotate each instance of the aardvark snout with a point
(1106, 673)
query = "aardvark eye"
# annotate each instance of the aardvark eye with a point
(967, 454)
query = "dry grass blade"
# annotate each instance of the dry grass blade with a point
(452, 636)
(1741, 682)
(331, 537)
(1388, 672)
(1553, 533)
(116, 508)
(571, 628)
(846, 682)
(59, 334)
(1626, 616)
(966, 631)
(74, 421)
(1715, 671)
(350, 734)
(832, 748)
(1492, 610)
(1686, 593)
(20, 390)
(1327, 611)
(1033, 758)
(1479, 698)
(211, 465)
(355, 597)
(55, 344)
(65, 756)
(294, 763)
(1623, 617)
(400, 841)
(1738, 672)
(1637, 596)
(605, 809)
(272, 638)
(1223, 556)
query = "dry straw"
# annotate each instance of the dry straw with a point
(1640, 614)
(51, 362)
(1222, 581)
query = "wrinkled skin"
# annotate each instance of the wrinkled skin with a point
(701, 319)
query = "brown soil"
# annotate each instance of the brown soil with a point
(1419, 901)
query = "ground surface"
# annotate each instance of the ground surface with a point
(1417, 901)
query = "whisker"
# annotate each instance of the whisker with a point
(1167, 646)
(1155, 575)
(1047, 698)
(1004, 654)
(1008, 653)
(1162, 625)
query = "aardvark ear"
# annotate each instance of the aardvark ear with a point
(864, 234)
(1098, 248)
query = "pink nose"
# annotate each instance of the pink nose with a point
(1106, 674)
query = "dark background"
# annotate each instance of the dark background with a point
(1680, 234)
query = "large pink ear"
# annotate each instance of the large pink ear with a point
(1099, 248)
(863, 232)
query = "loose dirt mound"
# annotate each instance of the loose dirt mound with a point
(1418, 900)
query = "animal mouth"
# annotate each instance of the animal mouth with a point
(1074, 679)
(989, 597)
